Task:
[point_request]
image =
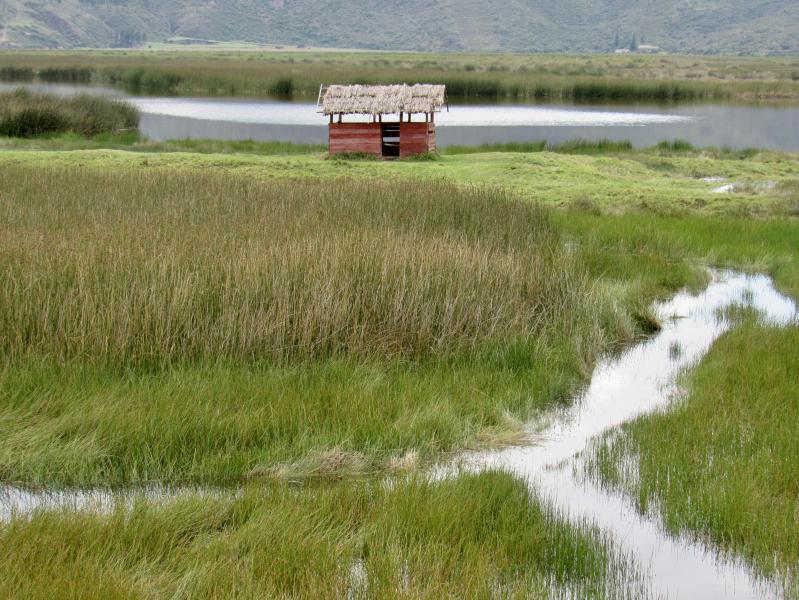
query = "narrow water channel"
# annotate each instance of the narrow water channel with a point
(642, 380)
(639, 381)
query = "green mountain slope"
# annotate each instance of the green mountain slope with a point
(686, 26)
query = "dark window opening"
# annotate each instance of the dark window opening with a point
(390, 136)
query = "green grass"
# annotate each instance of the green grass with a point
(623, 246)
(132, 140)
(571, 147)
(473, 536)
(72, 424)
(580, 176)
(413, 372)
(215, 266)
(721, 464)
(25, 115)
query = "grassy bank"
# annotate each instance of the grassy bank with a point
(661, 180)
(492, 77)
(24, 115)
(721, 464)
(618, 245)
(467, 537)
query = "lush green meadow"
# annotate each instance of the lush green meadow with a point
(299, 74)
(265, 316)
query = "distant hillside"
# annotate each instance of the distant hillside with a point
(678, 26)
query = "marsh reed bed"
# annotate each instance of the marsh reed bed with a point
(468, 77)
(25, 114)
(161, 266)
(205, 327)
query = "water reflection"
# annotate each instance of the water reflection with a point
(638, 382)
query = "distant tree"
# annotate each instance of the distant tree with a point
(633, 44)
(642, 42)
(616, 41)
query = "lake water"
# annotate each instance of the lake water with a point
(737, 126)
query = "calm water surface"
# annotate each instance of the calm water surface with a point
(640, 381)
(701, 124)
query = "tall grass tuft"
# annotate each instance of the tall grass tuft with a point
(162, 266)
(66, 74)
(13, 73)
(25, 114)
(143, 80)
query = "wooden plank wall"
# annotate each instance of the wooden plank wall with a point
(347, 138)
(415, 138)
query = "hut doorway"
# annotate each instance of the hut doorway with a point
(390, 137)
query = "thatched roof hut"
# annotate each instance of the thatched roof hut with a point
(385, 138)
(381, 99)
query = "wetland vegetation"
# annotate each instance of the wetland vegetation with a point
(286, 74)
(721, 464)
(26, 115)
(261, 316)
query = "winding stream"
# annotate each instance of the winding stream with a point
(639, 381)
(642, 380)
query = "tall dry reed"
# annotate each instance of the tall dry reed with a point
(151, 265)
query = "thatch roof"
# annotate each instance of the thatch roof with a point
(382, 99)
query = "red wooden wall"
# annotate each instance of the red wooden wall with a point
(349, 138)
(415, 138)
(355, 137)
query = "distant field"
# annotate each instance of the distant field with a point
(524, 77)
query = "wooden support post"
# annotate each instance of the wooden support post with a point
(432, 117)
(380, 118)
(331, 118)
(339, 117)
